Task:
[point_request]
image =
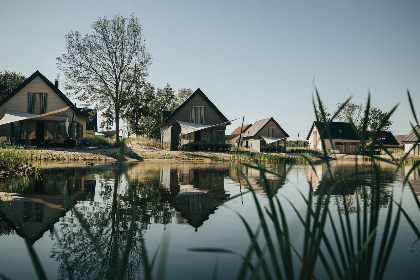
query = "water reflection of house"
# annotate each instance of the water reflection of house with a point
(39, 203)
(350, 185)
(345, 172)
(256, 179)
(193, 191)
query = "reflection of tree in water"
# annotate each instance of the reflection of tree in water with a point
(5, 229)
(108, 219)
(354, 182)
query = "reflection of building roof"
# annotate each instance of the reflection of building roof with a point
(412, 137)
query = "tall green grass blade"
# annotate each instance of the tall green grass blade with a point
(2, 276)
(412, 107)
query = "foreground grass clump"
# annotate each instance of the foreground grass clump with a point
(96, 140)
(268, 158)
(143, 141)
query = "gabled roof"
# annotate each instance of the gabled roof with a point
(400, 139)
(198, 91)
(238, 129)
(386, 138)
(258, 125)
(48, 83)
(338, 130)
(412, 137)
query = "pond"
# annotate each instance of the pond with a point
(176, 207)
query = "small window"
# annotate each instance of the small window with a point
(43, 103)
(197, 115)
(270, 131)
(31, 103)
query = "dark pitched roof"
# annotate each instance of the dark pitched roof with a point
(338, 130)
(238, 129)
(258, 125)
(386, 138)
(198, 91)
(51, 85)
(412, 137)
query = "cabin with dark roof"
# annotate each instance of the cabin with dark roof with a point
(265, 136)
(338, 136)
(412, 141)
(37, 113)
(196, 120)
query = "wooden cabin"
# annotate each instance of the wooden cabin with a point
(338, 136)
(37, 113)
(196, 120)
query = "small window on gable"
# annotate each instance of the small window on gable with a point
(197, 114)
(31, 103)
(43, 103)
(270, 131)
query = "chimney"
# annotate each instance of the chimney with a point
(56, 83)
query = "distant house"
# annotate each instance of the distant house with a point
(91, 120)
(197, 119)
(339, 136)
(412, 142)
(265, 135)
(38, 113)
(233, 138)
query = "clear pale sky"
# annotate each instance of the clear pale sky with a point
(256, 59)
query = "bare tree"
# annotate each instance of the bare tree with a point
(104, 68)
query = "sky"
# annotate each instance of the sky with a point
(253, 59)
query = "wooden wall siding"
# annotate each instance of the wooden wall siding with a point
(19, 102)
(210, 115)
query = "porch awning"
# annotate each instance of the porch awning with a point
(270, 140)
(187, 127)
(15, 116)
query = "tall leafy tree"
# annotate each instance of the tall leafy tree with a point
(355, 113)
(103, 68)
(9, 81)
(182, 95)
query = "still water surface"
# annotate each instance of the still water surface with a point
(191, 206)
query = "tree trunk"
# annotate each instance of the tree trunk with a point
(117, 123)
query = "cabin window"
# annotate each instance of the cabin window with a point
(217, 136)
(43, 103)
(270, 131)
(31, 103)
(197, 114)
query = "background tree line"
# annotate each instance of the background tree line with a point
(355, 113)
